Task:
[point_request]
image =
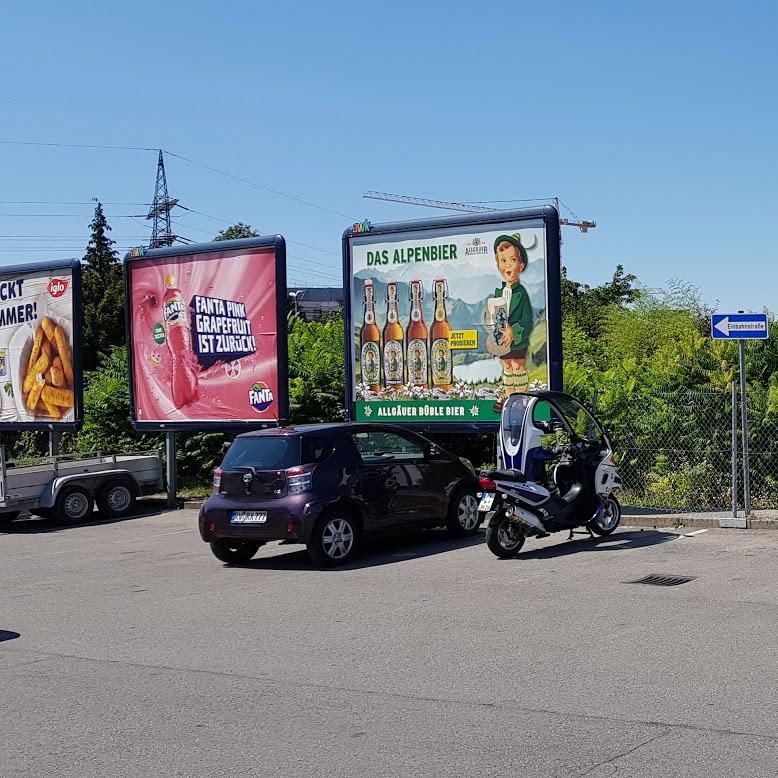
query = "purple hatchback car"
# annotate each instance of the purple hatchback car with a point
(330, 485)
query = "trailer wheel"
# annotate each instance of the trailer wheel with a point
(74, 505)
(116, 498)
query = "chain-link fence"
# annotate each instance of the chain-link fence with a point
(675, 451)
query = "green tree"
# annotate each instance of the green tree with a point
(103, 293)
(316, 369)
(239, 230)
(107, 409)
(587, 307)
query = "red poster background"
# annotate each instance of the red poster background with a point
(246, 276)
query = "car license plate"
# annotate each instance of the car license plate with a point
(487, 499)
(248, 517)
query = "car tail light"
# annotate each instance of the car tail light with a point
(217, 479)
(487, 484)
(298, 479)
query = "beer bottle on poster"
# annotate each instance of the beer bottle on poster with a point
(416, 354)
(184, 378)
(393, 341)
(440, 350)
(370, 342)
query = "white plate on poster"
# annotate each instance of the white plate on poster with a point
(17, 358)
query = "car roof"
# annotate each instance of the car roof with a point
(335, 426)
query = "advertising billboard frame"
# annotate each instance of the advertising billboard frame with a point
(550, 218)
(74, 266)
(275, 242)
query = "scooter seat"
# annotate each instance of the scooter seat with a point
(505, 475)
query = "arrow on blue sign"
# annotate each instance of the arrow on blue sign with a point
(739, 326)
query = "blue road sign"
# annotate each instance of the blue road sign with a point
(739, 326)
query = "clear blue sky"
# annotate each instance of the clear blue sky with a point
(658, 120)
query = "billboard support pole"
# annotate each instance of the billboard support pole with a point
(170, 468)
(53, 444)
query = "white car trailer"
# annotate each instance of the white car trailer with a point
(67, 488)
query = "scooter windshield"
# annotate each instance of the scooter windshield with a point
(514, 413)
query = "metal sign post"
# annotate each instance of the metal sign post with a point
(734, 450)
(740, 327)
(744, 425)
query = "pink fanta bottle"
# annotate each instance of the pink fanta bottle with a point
(179, 341)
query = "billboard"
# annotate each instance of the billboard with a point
(206, 329)
(447, 317)
(41, 383)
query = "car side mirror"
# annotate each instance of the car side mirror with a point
(434, 450)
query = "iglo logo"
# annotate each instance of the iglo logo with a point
(260, 396)
(58, 286)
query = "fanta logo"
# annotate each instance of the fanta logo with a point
(58, 286)
(260, 396)
(360, 227)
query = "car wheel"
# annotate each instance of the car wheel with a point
(116, 498)
(610, 519)
(463, 517)
(74, 504)
(334, 540)
(233, 551)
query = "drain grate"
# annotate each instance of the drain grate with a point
(664, 580)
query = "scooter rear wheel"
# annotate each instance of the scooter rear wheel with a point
(504, 538)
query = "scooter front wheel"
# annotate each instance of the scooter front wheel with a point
(610, 518)
(503, 537)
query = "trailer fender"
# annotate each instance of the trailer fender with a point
(91, 481)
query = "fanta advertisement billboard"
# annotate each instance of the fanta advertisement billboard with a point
(207, 333)
(448, 317)
(40, 346)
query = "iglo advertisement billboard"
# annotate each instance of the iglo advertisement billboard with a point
(41, 384)
(446, 317)
(206, 331)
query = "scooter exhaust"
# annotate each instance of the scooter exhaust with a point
(515, 513)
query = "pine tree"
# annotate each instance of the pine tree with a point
(99, 254)
(103, 293)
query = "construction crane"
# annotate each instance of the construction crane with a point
(582, 225)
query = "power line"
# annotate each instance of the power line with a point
(258, 186)
(64, 237)
(184, 159)
(77, 145)
(63, 202)
(67, 215)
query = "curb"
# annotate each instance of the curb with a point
(670, 521)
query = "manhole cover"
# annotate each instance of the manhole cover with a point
(664, 580)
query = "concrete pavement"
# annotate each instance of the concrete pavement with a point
(140, 654)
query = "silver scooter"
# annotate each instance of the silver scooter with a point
(558, 473)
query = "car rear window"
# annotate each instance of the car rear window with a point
(263, 453)
(315, 449)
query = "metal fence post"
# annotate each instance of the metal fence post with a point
(735, 522)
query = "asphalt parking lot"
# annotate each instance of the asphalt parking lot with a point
(131, 651)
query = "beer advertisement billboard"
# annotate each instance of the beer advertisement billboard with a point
(449, 316)
(207, 335)
(40, 346)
